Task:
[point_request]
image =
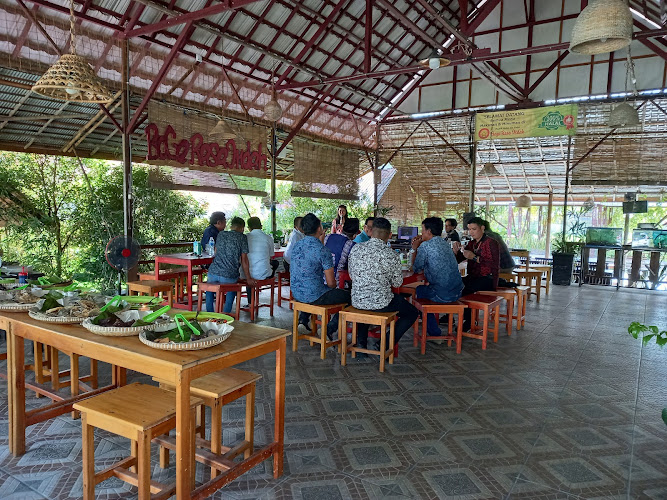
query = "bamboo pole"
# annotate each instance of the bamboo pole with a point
(550, 206)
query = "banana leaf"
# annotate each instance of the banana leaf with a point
(148, 319)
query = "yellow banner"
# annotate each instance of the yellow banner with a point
(534, 122)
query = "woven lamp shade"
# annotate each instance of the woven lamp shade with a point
(623, 115)
(489, 170)
(222, 131)
(603, 26)
(523, 201)
(272, 109)
(72, 79)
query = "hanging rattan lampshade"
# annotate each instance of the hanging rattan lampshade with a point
(71, 78)
(523, 201)
(489, 170)
(272, 109)
(623, 115)
(222, 131)
(589, 203)
(603, 26)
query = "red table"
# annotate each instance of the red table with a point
(182, 259)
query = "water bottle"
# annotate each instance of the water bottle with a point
(211, 246)
(23, 277)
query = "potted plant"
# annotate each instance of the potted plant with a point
(278, 240)
(647, 333)
(563, 253)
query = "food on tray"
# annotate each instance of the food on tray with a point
(182, 330)
(21, 297)
(119, 314)
(59, 305)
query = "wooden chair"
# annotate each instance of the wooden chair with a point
(220, 291)
(545, 270)
(428, 307)
(490, 307)
(325, 312)
(152, 287)
(522, 299)
(139, 413)
(253, 308)
(284, 280)
(216, 390)
(509, 295)
(179, 276)
(381, 319)
(522, 254)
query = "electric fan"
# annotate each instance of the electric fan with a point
(122, 253)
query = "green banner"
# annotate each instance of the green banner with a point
(534, 122)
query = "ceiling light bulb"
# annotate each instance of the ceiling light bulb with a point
(71, 90)
(603, 40)
(434, 62)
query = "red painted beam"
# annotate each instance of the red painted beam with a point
(367, 37)
(416, 30)
(480, 15)
(185, 33)
(546, 72)
(189, 17)
(463, 16)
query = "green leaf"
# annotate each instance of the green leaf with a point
(661, 341)
(647, 338)
(654, 329)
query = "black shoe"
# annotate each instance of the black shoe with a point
(361, 355)
(466, 326)
(305, 324)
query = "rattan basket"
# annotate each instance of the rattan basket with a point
(16, 307)
(188, 346)
(40, 316)
(116, 331)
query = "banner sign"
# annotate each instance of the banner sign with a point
(179, 138)
(534, 122)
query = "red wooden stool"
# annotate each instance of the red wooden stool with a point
(490, 306)
(429, 307)
(267, 284)
(220, 291)
(284, 280)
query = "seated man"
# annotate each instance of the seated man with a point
(434, 256)
(375, 269)
(295, 237)
(341, 244)
(483, 256)
(365, 235)
(260, 251)
(216, 223)
(231, 250)
(312, 267)
(507, 263)
(450, 228)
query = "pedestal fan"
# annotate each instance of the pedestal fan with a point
(122, 253)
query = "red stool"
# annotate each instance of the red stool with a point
(284, 280)
(490, 306)
(267, 284)
(220, 291)
(428, 307)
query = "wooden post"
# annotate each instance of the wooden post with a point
(127, 150)
(375, 167)
(626, 229)
(274, 158)
(550, 206)
(486, 207)
(472, 148)
(567, 184)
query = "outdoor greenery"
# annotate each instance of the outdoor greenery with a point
(60, 220)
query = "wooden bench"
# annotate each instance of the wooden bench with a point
(220, 291)
(152, 287)
(429, 307)
(381, 319)
(216, 390)
(490, 307)
(325, 312)
(139, 413)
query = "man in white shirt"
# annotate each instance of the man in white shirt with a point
(296, 236)
(260, 251)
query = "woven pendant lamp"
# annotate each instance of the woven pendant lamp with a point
(71, 78)
(523, 201)
(603, 26)
(272, 109)
(222, 131)
(623, 115)
(489, 170)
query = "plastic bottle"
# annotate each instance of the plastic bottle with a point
(211, 246)
(23, 277)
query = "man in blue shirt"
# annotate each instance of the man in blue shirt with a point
(365, 235)
(216, 223)
(435, 257)
(312, 273)
(341, 244)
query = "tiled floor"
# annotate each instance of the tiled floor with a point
(567, 408)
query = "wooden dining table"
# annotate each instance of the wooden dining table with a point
(187, 259)
(178, 368)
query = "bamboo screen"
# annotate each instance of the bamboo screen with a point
(212, 182)
(322, 171)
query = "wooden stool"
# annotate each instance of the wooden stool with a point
(409, 289)
(490, 306)
(381, 319)
(325, 311)
(545, 270)
(137, 412)
(266, 284)
(509, 295)
(220, 291)
(152, 287)
(284, 280)
(526, 278)
(522, 299)
(429, 307)
(174, 275)
(216, 390)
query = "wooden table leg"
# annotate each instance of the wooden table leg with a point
(184, 444)
(538, 281)
(16, 392)
(189, 288)
(280, 409)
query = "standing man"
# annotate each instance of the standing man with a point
(450, 229)
(295, 237)
(231, 250)
(365, 235)
(216, 223)
(341, 244)
(375, 269)
(312, 273)
(434, 256)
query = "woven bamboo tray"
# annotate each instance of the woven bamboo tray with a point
(187, 346)
(115, 331)
(63, 320)
(14, 307)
